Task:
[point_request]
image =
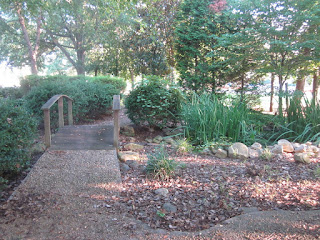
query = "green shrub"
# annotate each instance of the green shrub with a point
(117, 82)
(154, 102)
(31, 81)
(90, 99)
(160, 165)
(207, 119)
(17, 131)
(10, 92)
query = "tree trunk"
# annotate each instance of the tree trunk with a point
(271, 92)
(132, 78)
(80, 62)
(32, 53)
(280, 95)
(300, 84)
(315, 86)
(242, 88)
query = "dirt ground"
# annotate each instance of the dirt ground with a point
(215, 199)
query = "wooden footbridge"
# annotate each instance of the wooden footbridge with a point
(82, 137)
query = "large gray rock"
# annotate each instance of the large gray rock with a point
(133, 164)
(302, 158)
(301, 149)
(158, 139)
(133, 147)
(287, 146)
(255, 153)
(238, 150)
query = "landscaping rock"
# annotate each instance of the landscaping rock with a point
(256, 146)
(158, 139)
(302, 148)
(205, 151)
(169, 207)
(148, 140)
(302, 158)
(254, 153)
(220, 153)
(130, 139)
(127, 131)
(296, 145)
(133, 164)
(238, 150)
(308, 143)
(287, 146)
(170, 141)
(127, 155)
(162, 191)
(133, 147)
(124, 167)
(277, 149)
(314, 149)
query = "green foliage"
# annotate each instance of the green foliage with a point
(183, 146)
(91, 99)
(302, 123)
(117, 82)
(154, 102)
(207, 119)
(266, 155)
(160, 165)
(28, 82)
(196, 26)
(17, 131)
(10, 92)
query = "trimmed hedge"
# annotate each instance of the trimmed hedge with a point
(28, 82)
(91, 99)
(154, 102)
(17, 131)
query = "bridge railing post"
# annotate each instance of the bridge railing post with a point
(116, 118)
(46, 109)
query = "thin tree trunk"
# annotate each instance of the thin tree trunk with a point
(271, 92)
(132, 78)
(315, 87)
(242, 88)
(32, 53)
(280, 95)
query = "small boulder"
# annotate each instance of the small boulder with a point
(255, 153)
(162, 191)
(302, 158)
(238, 150)
(302, 148)
(148, 140)
(127, 155)
(133, 164)
(277, 149)
(256, 146)
(220, 153)
(127, 131)
(124, 167)
(170, 141)
(205, 151)
(314, 149)
(158, 139)
(169, 207)
(133, 147)
(287, 146)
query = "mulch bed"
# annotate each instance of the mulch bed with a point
(209, 190)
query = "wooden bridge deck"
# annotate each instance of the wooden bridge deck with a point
(83, 137)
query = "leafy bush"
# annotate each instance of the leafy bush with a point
(160, 165)
(28, 82)
(154, 102)
(90, 99)
(117, 82)
(17, 131)
(207, 119)
(10, 92)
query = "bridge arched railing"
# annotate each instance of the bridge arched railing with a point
(46, 109)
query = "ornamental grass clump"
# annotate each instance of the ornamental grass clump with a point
(208, 119)
(160, 165)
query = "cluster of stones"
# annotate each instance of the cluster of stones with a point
(301, 152)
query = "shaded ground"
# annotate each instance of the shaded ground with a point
(68, 195)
